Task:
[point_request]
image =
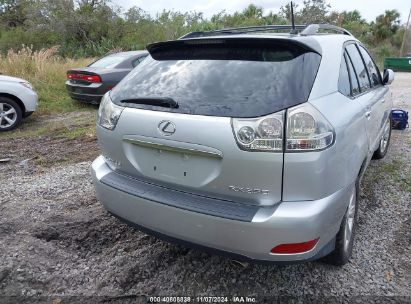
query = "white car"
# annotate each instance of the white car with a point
(17, 101)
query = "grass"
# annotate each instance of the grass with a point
(69, 126)
(46, 71)
(394, 170)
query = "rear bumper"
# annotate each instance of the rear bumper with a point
(90, 94)
(288, 222)
(88, 98)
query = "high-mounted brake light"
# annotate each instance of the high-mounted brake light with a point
(294, 248)
(84, 77)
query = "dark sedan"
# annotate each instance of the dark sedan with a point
(89, 84)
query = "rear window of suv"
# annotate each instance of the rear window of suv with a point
(223, 78)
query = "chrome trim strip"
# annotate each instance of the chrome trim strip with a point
(173, 148)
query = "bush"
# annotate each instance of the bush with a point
(47, 72)
(382, 51)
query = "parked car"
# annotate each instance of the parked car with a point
(243, 143)
(17, 101)
(89, 84)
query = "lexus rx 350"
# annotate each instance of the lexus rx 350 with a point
(246, 142)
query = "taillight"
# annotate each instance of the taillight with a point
(84, 77)
(307, 129)
(260, 134)
(294, 248)
(108, 113)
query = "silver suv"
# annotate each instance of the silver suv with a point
(246, 142)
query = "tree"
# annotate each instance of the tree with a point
(386, 25)
(352, 16)
(285, 12)
(93, 27)
(13, 13)
(253, 11)
(355, 23)
(314, 11)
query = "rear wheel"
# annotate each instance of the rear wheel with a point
(10, 114)
(345, 236)
(384, 142)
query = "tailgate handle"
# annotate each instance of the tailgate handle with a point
(165, 102)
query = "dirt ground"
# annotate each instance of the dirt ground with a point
(58, 245)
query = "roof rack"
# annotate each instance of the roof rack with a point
(301, 29)
(243, 30)
(313, 29)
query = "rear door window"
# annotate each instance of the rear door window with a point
(373, 71)
(355, 85)
(344, 86)
(223, 78)
(359, 67)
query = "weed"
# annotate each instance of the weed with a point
(393, 170)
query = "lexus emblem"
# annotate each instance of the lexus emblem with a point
(166, 127)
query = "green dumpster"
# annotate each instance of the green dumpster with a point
(402, 64)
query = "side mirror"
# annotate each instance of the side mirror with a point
(388, 77)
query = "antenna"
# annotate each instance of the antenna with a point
(293, 31)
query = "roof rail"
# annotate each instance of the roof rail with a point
(302, 29)
(313, 29)
(243, 30)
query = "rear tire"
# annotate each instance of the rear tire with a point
(10, 114)
(384, 142)
(345, 237)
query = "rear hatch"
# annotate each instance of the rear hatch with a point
(182, 105)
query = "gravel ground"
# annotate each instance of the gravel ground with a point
(56, 241)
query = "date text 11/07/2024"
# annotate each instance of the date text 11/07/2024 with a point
(202, 299)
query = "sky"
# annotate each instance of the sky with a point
(369, 9)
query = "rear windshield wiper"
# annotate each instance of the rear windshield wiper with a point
(165, 102)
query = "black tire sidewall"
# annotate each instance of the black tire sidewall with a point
(339, 256)
(378, 154)
(19, 112)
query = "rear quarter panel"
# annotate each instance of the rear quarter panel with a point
(315, 175)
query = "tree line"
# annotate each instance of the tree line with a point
(94, 27)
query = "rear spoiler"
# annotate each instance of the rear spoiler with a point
(81, 71)
(164, 50)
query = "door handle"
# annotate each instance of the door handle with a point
(383, 100)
